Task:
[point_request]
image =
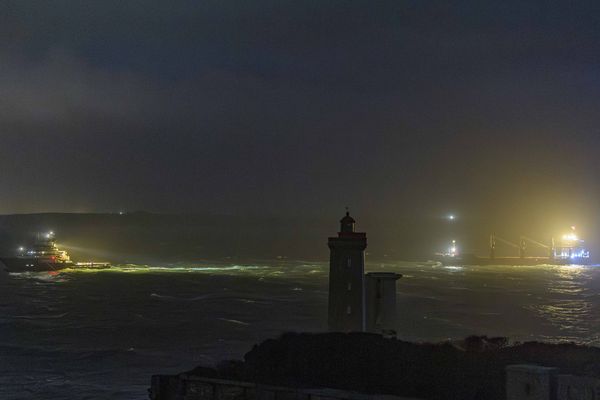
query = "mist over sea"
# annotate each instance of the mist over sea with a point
(102, 334)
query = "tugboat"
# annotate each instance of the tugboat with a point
(43, 256)
(452, 256)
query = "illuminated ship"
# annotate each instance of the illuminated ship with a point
(568, 250)
(43, 256)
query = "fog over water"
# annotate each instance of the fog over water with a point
(102, 334)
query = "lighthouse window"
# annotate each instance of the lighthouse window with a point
(349, 262)
(348, 310)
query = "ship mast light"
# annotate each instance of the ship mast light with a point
(453, 250)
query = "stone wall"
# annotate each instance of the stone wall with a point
(185, 387)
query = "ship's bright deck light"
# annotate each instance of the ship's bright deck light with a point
(570, 237)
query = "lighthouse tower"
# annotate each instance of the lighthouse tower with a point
(346, 278)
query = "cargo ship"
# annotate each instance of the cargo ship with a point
(569, 250)
(43, 256)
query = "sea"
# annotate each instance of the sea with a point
(84, 334)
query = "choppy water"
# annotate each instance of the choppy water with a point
(102, 334)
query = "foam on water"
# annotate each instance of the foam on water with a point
(102, 333)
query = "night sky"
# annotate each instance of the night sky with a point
(301, 107)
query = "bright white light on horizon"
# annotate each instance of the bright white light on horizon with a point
(451, 217)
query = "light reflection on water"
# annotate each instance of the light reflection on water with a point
(168, 318)
(568, 304)
(527, 302)
(555, 303)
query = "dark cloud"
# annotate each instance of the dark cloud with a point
(298, 107)
(59, 87)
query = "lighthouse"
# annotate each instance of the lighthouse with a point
(346, 278)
